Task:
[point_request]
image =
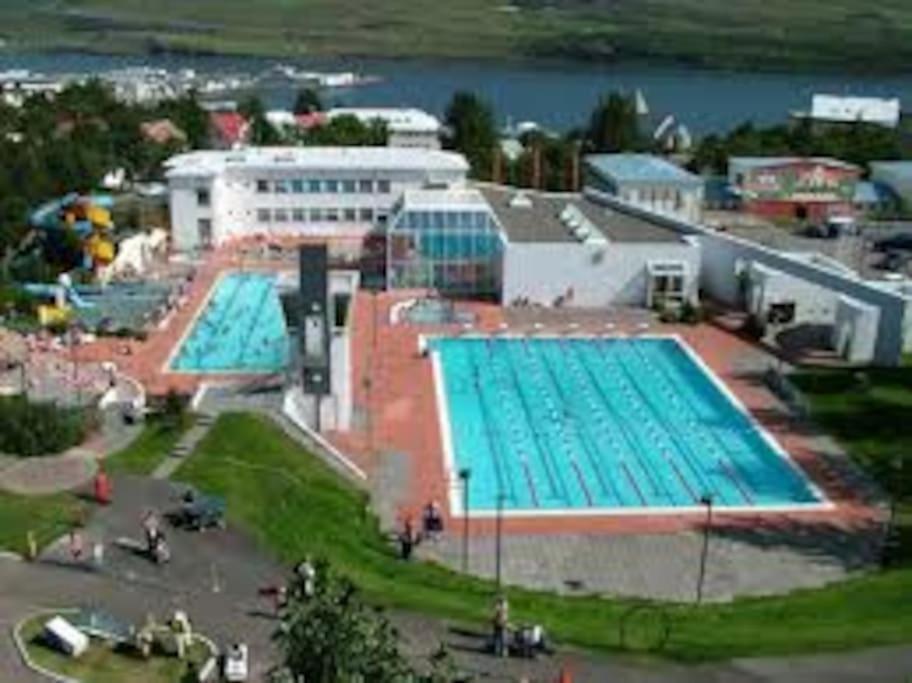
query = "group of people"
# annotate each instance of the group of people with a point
(431, 528)
(528, 640)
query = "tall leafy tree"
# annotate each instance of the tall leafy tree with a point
(613, 125)
(334, 637)
(261, 131)
(471, 130)
(308, 101)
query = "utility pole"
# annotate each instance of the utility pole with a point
(465, 475)
(499, 541)
(707, 501)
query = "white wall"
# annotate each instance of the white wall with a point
(664, 199)
(813, 304)
(600, 275)
(855, 330)
(185, 213)
(721, 253)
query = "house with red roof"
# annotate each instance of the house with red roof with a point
(228, 129)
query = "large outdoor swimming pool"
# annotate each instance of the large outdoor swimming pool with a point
(241, 330)
(587, 424)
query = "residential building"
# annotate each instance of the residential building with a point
(647, 181)
(296, 192)
(794, 188)
(405, 127)
(227, 129)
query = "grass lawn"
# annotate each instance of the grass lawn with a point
(870, 417)
(49, 517)
(294, 505)
(147, 450)
(101, 664)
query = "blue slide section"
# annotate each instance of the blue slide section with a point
(39, 289)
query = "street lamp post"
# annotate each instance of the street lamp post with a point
(465, 475)
(499, 540)
(895, 492)
(707, 501)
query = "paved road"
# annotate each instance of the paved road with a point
(215, 577)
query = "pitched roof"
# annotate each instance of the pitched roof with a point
(640, 168)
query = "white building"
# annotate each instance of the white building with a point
(647, 181)
(406, 127)
(840, 109)
(216, 196)
(572, 250)
(551, 249)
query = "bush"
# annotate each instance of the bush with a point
(29, 429)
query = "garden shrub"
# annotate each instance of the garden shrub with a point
(40, 428)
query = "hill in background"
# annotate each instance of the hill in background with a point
(846, 34)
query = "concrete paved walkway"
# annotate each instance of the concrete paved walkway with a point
(740, 562)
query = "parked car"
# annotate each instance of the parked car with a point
(900, 242)
(894, 260)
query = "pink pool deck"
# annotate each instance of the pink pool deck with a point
(395, 385)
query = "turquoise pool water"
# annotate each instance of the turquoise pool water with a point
(588, 423)
(241, 330)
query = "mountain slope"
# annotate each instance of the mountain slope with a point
(854, 34)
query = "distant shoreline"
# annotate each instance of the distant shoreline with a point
(734, 66)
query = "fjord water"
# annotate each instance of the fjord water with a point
(558, 95)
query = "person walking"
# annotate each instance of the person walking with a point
(501, 624)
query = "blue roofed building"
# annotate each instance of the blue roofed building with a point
(647, 181)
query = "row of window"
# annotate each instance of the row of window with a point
(313, 186)
(321, 215)
(445, 220)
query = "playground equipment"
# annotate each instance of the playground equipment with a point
(86, 216)
(63, 294)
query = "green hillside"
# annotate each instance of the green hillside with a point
(854, 34)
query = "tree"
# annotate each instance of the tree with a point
(613, 125)
(333, 637)
(347, 131)
(471, 131)
(308, 101)
(190, 117)
(261, 131)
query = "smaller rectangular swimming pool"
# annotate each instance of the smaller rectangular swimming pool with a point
(240, 331)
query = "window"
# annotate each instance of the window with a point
(316, 215)
(263, 215)
(332, 215)
(314, 186)
(281, 216)
(202, 197)
(281, 187)
(349, 186)
(297, 186)
(383, 186)
(298, 215)
(365, 186)
(382, 218)
(262, 186)
(331, 186)
(351, 215)
(367, 215)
